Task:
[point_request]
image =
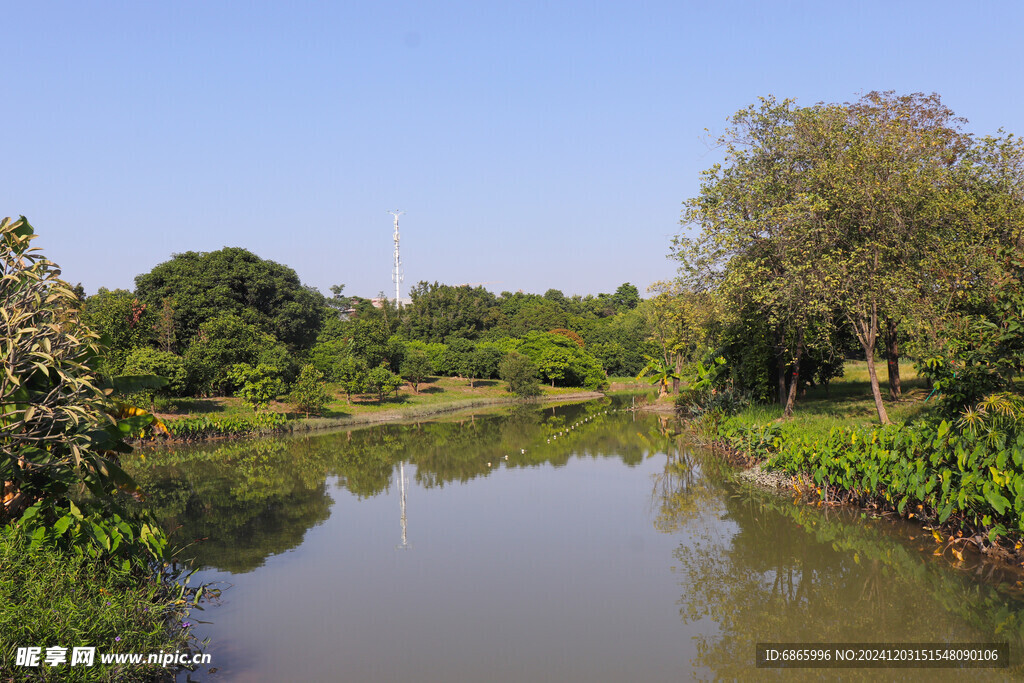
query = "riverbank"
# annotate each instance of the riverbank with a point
(224, 417)
(964, 488)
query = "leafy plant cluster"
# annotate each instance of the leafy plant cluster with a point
(66, 524)
(206, 426)
(970, 479)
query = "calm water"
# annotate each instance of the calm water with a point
(604, 552)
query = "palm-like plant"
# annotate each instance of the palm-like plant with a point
(659, 371)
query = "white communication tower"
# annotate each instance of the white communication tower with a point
(396, 274)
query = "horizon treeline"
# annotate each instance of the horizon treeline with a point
(214, 322)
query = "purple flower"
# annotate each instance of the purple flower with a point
(118, 639)
(186, 624)
(108, 603)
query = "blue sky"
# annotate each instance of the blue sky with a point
(531, 144)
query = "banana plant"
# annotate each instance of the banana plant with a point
(659, 371)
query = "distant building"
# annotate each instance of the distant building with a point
(378, 302)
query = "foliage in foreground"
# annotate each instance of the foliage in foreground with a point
(60, 432)
(58, 599)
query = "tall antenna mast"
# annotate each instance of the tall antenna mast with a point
(396, 274)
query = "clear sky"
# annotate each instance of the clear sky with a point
(532, 144)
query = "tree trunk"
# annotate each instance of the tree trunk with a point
(892, 358)
(867, 333)
(679, 369)
(780, 372)
(794, 380)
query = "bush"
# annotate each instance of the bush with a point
(520, 374)
(148, 361)
(206, 426)
(58, 429)
(258, 386)
(967, 478)
(416, 368)
(382, 382)
(309, 394)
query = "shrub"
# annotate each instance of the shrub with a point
(148, 361)
(58, 428)
(258, 386)
(382, 381)
(520, 374)
(206, 426)
(310, 393)
(416, 368)
(971, 479)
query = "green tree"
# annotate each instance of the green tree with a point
(382, 382)
(225, 341)
(521, 375)
(458, 357)
(485, 360)
(369, 340)
(309, 394)
(438, 312)
(889, 198)
(626, 297)
(125, 322)
(561, 362)
(416, 368)
(237, 282)
(327, 356)
(351, 375)
(258, 385)
(759, 242)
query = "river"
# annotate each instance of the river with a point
(577, 543)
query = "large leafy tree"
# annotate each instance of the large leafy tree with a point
(234, 281)
(126, 322)
(890, 202)
(438, 312)
(757, 243)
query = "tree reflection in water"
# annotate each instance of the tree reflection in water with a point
(767, 569)
(236, 504)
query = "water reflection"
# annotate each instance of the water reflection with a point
(236, 504)
(767, 569)
(574, 543)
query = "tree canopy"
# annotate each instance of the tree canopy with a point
(234, 281)
(866, 220)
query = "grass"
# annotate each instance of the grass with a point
(848, 401)
(437, 391)
(52, 598)
(437, 394)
